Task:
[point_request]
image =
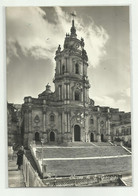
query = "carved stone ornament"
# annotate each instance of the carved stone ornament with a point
(36, 119)
(49, 130)
(102, 123)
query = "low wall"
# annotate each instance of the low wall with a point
(37, 160)
(31, 178)
(88, 180)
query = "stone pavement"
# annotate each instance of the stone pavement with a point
(15, 176)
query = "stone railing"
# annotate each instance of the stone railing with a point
(31, 177)
(88, 180)
(37, 159)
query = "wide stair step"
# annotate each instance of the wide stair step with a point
(88, 166)
(77, 152)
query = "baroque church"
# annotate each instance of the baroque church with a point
(68, 114)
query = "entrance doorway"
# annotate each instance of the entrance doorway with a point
(92, 137)
(102, 138)
(52, 136)
(37, 138)
(76, 133)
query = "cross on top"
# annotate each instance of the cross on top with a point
(73, 15)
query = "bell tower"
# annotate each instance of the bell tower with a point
(71, 80)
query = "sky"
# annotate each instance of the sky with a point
(34, 33)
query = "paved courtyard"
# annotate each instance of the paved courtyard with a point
(15, 177)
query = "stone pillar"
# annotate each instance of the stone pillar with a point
(66, 65)
(59, 120)
(26, 122)
(65, 114)
(60, 67)
(63, 122)
(59, 92)
(30, 119)
(108, 130)
(72, 133)
(68, 91)
(82, 96)
(62, 92)
(69, 126)
(65, 91)
(44, 121)
(98, 130)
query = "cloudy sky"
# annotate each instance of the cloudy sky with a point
(34, 33)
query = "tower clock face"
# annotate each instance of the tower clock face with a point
(77, 46)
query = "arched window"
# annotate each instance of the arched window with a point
(37, 137)
(76, 68)
(52, 136)
(77, 133)
(92, 137)
(77, 96)
(52, 118)
(63, 69)
(91, 120)
(102, 137)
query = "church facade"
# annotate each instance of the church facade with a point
(68, 114)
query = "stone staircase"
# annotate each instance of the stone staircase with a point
(79, 144)
(83, 160)
(89, 151)
(88, 166)
(102, 143)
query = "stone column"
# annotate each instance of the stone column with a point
(30, 119)
(44, 121)
(65, 115)
(66, 65)
(72, 126)
(82, 96)
(63, 122)
(98, 129)
(60, 66)
(59, 92)
(26, 122)
(65, 91)
(68, 91)
(69, 122)
(59, 120)
(108, 130)
(62, 92)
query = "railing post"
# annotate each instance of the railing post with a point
(36, 179)
(27, 179)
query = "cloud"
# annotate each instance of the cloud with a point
(95, 39)
(30, 28)
(122, 103)
(95, 36)
(128, 92)
(35, 35)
